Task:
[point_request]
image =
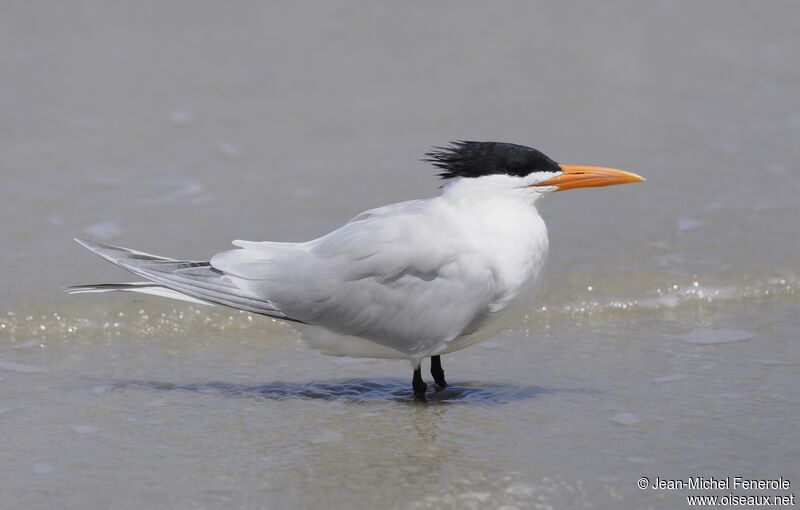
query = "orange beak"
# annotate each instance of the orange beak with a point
(579, 176)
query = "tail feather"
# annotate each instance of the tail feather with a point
(150, 288)
(197, 280)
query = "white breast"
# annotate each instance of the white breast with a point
(516, 251)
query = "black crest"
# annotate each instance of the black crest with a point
(475, 159)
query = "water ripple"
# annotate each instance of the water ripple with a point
(351, 390)
(84, 317)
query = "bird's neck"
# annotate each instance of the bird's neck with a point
(510, 236)
(498, 216)
(485, 194)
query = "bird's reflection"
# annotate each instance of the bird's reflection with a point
(380, 433)
(351, 390)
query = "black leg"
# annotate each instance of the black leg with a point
(437, 371)
(418, 384)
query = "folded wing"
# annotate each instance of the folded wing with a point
(389, 276)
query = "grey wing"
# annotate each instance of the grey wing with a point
(197, 279)
(390, 276)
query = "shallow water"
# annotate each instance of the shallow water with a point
(664, 342)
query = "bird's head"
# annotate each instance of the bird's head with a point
(516, 167)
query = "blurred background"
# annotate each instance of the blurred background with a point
(665, 339)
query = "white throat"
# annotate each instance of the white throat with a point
(496, 188)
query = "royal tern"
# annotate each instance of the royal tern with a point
(410, 280)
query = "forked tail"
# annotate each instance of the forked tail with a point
(185, 280)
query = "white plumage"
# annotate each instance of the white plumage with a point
(408, 280)
(415, 278)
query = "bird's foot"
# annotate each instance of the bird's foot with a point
(438, 377)
(419, 385)
(419, 392)
(438, 372)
